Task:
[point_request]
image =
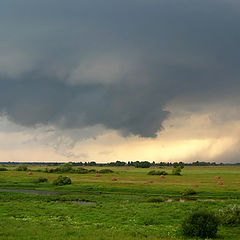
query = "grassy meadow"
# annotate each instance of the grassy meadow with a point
(124, 209)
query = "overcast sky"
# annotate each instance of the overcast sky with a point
(111, 80)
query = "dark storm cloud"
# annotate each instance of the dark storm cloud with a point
(115, 63)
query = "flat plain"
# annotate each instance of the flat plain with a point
(134, 206)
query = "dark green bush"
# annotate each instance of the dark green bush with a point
(177, 171)
(41, 180)
(106, 171)
(51, 170)
(143, 164)
(67, 167)
(189, 192)
(3, 169)
(200, 223)
(154, 172)
(229, 215)
(155, 199)
(81, 170)
(62, 181)
(21, 168)
(92, 171)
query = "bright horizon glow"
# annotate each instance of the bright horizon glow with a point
(192, 138)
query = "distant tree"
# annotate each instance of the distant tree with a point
(143, 164)
(119, 163)
(130, 163)
(177, 171)
(92, 163)
(178, 164)
(67, 167)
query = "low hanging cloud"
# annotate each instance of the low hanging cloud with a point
(117, 64)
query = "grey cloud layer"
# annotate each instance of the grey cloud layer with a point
(115, 63)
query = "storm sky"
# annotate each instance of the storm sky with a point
(123, 80)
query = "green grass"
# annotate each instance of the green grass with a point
(122, 210)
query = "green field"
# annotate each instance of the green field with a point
(120, 209)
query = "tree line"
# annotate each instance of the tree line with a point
(137, 164)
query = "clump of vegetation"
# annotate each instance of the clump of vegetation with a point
(62, 181)
(67, 167)
(143, 164)
(154, 172)
(51, 170)
(178, 164)
(155, 199)
(21, 168)
(81, 170)
(106, 171)
(3, 169)
(189, 192)
(229, 215)
(177, 171)
(201, 223)
(41, 180)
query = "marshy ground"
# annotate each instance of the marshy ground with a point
(96, 207)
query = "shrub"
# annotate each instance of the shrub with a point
(189, 192)
(51, 170)
(200, 223)
(106, 171)
(3, 169)
(177, 171)
(92, 171)
(62, 181)
(41, 180)
(81, 170)
(153, 172)
(67, 167)
(143, 164)
(155, 199)
(229, 215)
(22, 168)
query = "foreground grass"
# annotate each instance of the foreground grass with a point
(122, 210)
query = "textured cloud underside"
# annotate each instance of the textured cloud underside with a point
(117, 64)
